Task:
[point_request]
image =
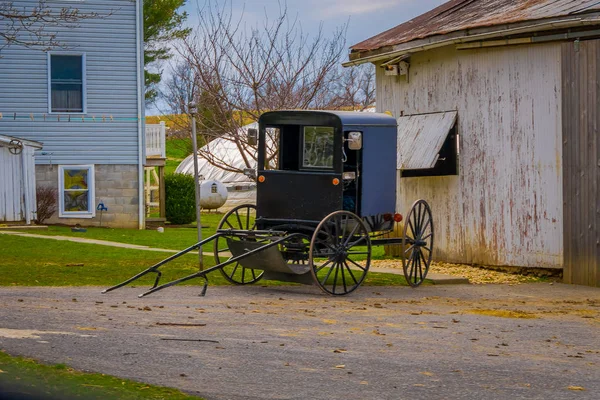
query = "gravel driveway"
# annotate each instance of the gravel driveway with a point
(534, 341)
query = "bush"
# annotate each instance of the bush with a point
(47, 199)
(180, 204)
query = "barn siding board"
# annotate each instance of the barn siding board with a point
(505, 206)
(581, 83)
(111, 73)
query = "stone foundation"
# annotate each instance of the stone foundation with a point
(116, 187)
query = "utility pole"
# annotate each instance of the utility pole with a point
(193, 110)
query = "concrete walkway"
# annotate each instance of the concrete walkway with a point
(437, 279)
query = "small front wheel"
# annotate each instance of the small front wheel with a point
(340, 253)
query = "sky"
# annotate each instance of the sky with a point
(365, 18)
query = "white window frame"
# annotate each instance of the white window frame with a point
(91, 213)
(83, 81)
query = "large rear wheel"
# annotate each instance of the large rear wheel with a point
(417, 243)
(240, 218)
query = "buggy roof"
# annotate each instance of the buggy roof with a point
(345, 118)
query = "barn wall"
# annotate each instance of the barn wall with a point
(505, 206)
(581, 149)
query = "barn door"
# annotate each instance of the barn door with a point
(581, 161)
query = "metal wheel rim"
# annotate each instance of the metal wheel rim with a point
(338, 262)
(236, 273)
(416, 258)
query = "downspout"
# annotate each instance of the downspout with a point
(25, 186)
(139, 11)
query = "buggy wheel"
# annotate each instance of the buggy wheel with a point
(296, 250)
(242, 218)
(417, 243)
(340, 253)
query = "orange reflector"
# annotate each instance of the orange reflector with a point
(261, 178)
(398, 217)
(335, 181)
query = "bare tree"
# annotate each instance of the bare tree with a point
(36, 26)
(237, 72)
(356, 87)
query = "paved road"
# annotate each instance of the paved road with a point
(536, 341)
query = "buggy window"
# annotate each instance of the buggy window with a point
(317, 147)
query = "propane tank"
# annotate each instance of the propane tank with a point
(213, 194)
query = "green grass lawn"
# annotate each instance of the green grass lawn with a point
(42, 262)
(20, 376)
(177, 150)
(172, 238)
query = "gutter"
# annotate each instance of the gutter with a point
(139, 26)
(466, 38)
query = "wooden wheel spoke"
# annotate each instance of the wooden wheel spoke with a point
(420, 268)
(234, 269)
(426, 225)
(228, 223)
(350, 272)
(239, 220)
(327, 276)
(351, 235)
(412, 229)
(335, 277)
(356, 264)
(355, 243)
(323, 266)
(343, 279)
(424, 260)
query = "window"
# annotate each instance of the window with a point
(76, 185)
(317, 150)
(447, 161)
(67, 83)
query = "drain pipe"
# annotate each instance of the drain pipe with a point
(139, 22)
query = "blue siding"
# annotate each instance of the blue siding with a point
(379, 170)
(111, 89)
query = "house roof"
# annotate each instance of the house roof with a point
(12, 141)
(461, 15)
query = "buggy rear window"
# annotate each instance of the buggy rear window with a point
(317, 148)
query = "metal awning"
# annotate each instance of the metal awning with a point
(420, 138)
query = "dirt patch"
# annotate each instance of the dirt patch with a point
(503, 313)
(475, 274)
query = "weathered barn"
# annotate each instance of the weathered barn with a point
(497, 104)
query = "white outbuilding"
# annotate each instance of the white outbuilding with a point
(17, 179)
(241, 188)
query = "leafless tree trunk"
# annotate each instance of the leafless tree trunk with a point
(36, 27)
(235, 73)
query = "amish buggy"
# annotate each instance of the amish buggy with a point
(326, 195)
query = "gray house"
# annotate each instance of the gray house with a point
(84, 102)
(497, 107)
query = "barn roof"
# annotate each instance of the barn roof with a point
(466, 15)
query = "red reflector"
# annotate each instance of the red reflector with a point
(387, 217)
(398, 217)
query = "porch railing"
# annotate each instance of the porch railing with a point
(155, 140)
